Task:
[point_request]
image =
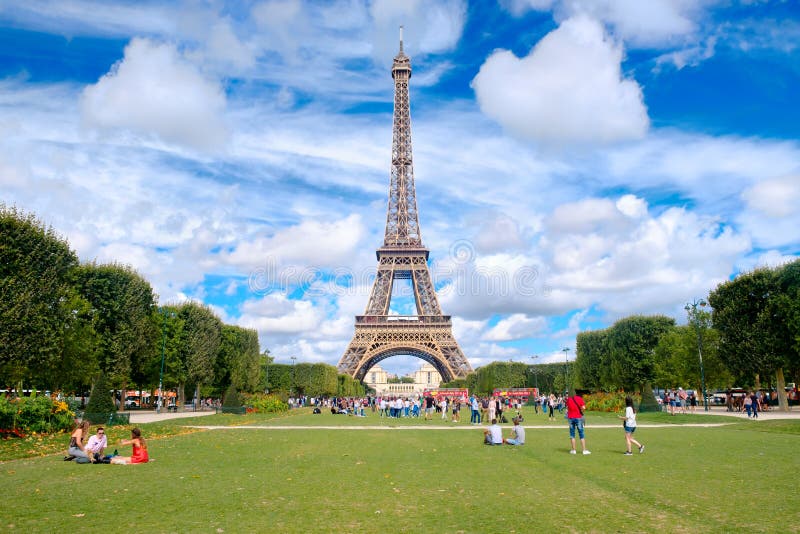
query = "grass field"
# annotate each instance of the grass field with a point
(719, 479)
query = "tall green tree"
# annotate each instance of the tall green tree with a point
(678, 361)
(122, 304)
(786, 314)
(37, 299)
(753, 314)
(632, 342)
(201, 341)
(238, 361)
(592, 357)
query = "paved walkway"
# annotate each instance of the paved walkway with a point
(473, 428)
(150, 416)
(771, 415)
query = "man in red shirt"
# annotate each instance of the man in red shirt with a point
(575, 409)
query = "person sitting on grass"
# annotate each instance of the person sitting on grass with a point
(97, 445)
(519, 434)
(77, 449)
(139, 456)
(493, 435)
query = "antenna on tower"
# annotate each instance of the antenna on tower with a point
(401, 38)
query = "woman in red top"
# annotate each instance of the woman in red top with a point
(139, 450)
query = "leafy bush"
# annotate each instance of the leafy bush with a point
(608, 402)
(38, 414)
(263, 403)
(232, 398)
(100, 405)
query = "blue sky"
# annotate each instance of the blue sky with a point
(576, 161)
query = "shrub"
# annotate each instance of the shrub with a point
(38, 414)
(232, 399)
(608, 402)
(100, 405)
(263, 403)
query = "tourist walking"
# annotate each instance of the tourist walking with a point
(629, 426)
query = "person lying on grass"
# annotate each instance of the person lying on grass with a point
(139, 456)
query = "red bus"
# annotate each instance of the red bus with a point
(523, 394)
(450, 393)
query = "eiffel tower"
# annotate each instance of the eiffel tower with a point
(427, 335)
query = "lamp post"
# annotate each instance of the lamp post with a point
(163, 351)
(566, 371)
(694, 319)
(293, 358)
(535, 373)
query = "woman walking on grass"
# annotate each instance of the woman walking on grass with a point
(630, 427)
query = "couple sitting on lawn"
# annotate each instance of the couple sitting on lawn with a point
(494, 434)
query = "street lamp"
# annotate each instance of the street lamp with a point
(691, 311)
(566, 371)
(163, 351)
(293, 358)
(535, 372)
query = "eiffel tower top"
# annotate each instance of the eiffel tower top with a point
(402, 222)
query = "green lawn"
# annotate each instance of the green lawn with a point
(721, 479)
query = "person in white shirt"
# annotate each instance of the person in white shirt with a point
(519, 434)
(630, 427)
(97, 444)
(443, 407)
(493, 435)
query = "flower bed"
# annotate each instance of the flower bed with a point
(35, 414)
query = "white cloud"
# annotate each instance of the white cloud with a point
(569, 89)
(429, 26)
(776, 197)
(689, 56)
(516, 326)
(773, 211)
(309, 244)
(276, 314)
(644, 23)
(153, 91)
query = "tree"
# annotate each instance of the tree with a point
(500, 375)
(200, 344)
(238, 359)
(632, 342)
(785, 313)
(678, 363)
(122, 305)
(592, 357)
(101, 403)
(36, 296)
(754, 316)
(315, 379)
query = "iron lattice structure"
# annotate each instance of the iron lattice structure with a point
(427, 335)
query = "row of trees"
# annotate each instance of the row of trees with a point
(548, 377)
(312, 379)
(62, 323)
(749, 336)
